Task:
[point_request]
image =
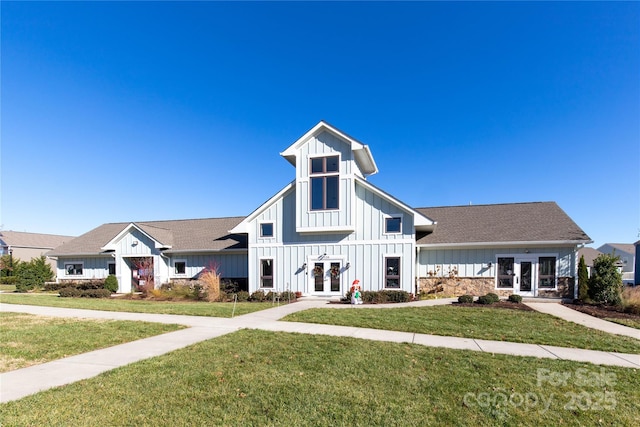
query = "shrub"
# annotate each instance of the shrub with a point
(287, 296)
(631, 300)
(258, 296)
(34, 273)
(515, 298)
(465, 299)
(9, 280)
(23, 287)
(210, 280)
(96, 293)
(242, 296)
(111, 283)
(489, 298)
(583, 280)
(396, 296)
(69, 292)
(271, 296)
(605, 284)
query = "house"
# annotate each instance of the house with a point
(627, 254)
(330, 226)
(26, 246)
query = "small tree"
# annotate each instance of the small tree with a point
(583, 280)
(111, 283)
(605, 284)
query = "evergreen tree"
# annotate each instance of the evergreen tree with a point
(605, 284)
(583, 280)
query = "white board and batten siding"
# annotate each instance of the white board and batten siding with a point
(228, 265)
(474, 262)
(92, 267)
(364, 249)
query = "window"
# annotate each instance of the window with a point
(266, 273)
(112, 269)
(505, 272)
(393, 225)
(73, 269)
(180, 267)
(266, 229)
(547, 272)
(392, 272)
(324, 183)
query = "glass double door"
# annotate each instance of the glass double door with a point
(326, 276)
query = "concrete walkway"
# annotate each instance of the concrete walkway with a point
(583, 319)
(23, 382)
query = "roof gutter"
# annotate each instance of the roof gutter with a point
(496, 244)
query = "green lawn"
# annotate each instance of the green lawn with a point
(263, 378)
(162, 307)
(28, 340)
(7, 288)
(470, 322)
(632, 323)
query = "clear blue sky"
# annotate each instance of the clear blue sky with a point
(123, 111)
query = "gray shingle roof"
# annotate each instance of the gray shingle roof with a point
(211, 234)
(19, 239)
(589, 255)
(514, 222)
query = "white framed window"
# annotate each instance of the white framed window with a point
(547, 272)
(505, 272)
(73, 269)
(392, 272)
(180, 267)
(266, 273)
(266, 229)
(392, 224)
(324, 174)
(112, 268)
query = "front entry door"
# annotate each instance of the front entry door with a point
(525, 277)
(326, 277)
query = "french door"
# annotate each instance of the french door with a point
(325, 276)
(525, 276)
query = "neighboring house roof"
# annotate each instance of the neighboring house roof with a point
(589, 255)
(622, 247)
(190, 235)
(540, 222)
(19, 239)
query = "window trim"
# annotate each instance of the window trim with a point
(263, 276)
(273, 230)
(386, 276)
(109, 268)
(74, 263)
(498, 275)
(386, 218)
(175, 270)
(324, 174)
(555, 272)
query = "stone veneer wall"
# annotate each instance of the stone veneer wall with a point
(456, 286)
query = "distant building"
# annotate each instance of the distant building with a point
(26, 246)
(627, 254)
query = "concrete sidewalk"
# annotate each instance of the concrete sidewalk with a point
(566, 313)
(23, 382)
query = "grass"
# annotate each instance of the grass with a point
(632, 323)
(133, 306)
(7, 288)
(264, 378)
(470, 322)
(29, 340)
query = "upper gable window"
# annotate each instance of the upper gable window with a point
(324, 182)
(393, 225)
(266, 229)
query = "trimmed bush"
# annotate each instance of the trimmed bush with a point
(96, 293)
(111, 283)
(243, 296)
(258, 296)
(605, 284)
(9, 280)
(69, 292)
(465, 299)
(515, 298)
(287, 296)
(489, 298)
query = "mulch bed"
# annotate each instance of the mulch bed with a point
(502, 304)
(603, 311)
